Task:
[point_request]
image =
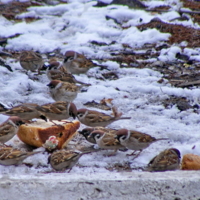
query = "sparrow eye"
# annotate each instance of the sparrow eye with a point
(80, 114)
(68, 59)
(98, 136)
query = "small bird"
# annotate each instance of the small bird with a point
(63, 91)
(56, 72)
(64, 159)
(86, 132)
(135, 140)
(59, 110)
(168, 159)
(11, 156)
(25, 111)
(30, 60)
(76, 63)
(105, 141)
(9, 128)
(94, 118)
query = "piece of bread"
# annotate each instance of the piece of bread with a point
(36, 133)
(190, 162)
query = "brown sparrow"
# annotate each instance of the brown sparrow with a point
(30, 60)
(9, 128)
(26, 111)
(105, 141)
(59, 110)
(63, 91)
(64, 159)
(11, 156)
(135, 140)
(168, 159)
(76, 63)
(54, 73)
(94, 118)
(86, 132)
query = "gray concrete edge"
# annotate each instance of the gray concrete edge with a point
(176, 185)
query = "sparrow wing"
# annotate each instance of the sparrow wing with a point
(5, 129)
(141, 137)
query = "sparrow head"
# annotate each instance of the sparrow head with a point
(72, 110)
(81, 112)
(176, 151)
(121, 134)
(53, 65)
(16, 120)
(70, 55)
(54, 84)
(97, 134)
(86, 132)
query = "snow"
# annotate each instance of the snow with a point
(136, 93)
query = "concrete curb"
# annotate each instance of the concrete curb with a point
(176, 185)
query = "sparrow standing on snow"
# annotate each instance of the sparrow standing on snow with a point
(105, 141)
(55, 72)
(86, 132)
(30, 60)
(76, 63)
(11, 156)
(94, 118)
(63, 91)
(9, 128)
(25, 111)
(64, 159)
(168, 159)
(135, 140)
(59, 110)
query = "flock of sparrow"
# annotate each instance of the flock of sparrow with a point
(64, 89)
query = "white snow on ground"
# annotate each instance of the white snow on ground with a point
(70, 27)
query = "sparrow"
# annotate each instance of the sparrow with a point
(9, 128)
(76, 63)
(11, 156)
(105, 141)
(94, 118)
(56, 72)
(25, 111)
(135, 140)
(87, 131)
(64, 159)
(63, 91)
(30, 60)
(169, 159)
(59, 110)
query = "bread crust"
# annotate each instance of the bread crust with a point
(190, 162)
(36, 134)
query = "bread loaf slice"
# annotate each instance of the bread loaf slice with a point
(36, 134)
